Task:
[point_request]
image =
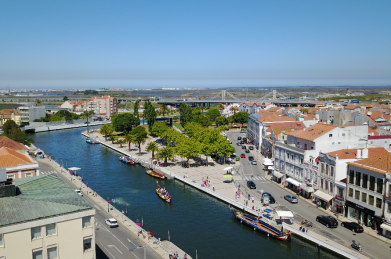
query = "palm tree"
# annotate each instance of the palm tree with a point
(129, 139)
(86, 115)
(202, 108)
(164, 109)
(165, 153)
(121, 142)
(112, 139)
(234, 109)
(106, 129)
(152, 147)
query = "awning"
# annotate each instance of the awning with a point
(278, 174)
(270, 167)
(386, 226)
(293, 181)
(281, 213)
(323, 196)
(268, 163)
(307, 189)
(74, 168)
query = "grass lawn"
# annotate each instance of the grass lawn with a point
(179, 126)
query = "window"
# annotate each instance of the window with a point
(379, 185)
(35, 232)
(357, 195)
(372, 183)
(51, 229)
(29, 175)
(343, 134)
(351, 192)
(388, 207)
(332, 171)
(52, 252)
(327, 169)
(370, 200)
(322, 168)
(351, 177)
(364, 197)
(11, 176)
(358, 178)
(86, 221)
(301, 161)
(378, 203)
(330, 135)
(340, 192)
(1, 240)
(37, 254)
(331, 187)
(326, 185)
(365, 181)
(87, 244)
(321, 183)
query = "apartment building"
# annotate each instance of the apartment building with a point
(45, 219)
(10, 114)
(386, 226)
(102, 106)
(30, 113)
(17, 165)
(366, 191)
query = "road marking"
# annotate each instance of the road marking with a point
(115, 248)
(129, 241)
(116, 237)
(110, 253)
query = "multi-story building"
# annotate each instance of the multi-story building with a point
(29, 114)
(386, 226)
(45, 219)
(17, 165)
(102, 106)
(10, 114)
(366, 190)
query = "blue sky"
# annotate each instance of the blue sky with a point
(188, 43)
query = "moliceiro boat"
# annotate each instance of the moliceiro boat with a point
(126, 159)
(156, 174)
(163, 194)
(260, 225)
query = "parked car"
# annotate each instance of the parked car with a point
(251, 147)
(247, 150)
(239, 138)
(111, 222)
(251, 158)
(291, 198)
(251, 185)
(243, 155)
(353, 226)
(254, 162)
(79, 192)
(230, 142)
(328, 221)
(244, 139)
(238, 143)
(271, 198)
(243, 147)
(233, 155)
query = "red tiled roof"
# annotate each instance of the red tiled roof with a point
(315, 131)
(380, 164)
(12, 144)
(352, 153)
(9, 157)
(379, 137)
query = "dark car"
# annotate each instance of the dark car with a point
(251, 147)
(251, 158)
(328, 221)
(244, 139)
(247, 150)
(243, 147)
(239, 138)
(353, 226)
(238, 143)
(251, 185)
(271, 198)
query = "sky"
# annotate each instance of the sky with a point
(188, 43)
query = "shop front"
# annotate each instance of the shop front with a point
(277, 176)
(323, 200)
(293, 184)
(362, 215)
(307, 190)
(386, 226)
(339, 204)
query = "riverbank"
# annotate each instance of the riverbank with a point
(218, 188)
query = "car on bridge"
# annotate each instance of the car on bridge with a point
(111, 222)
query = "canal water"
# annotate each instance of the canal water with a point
(194, 221)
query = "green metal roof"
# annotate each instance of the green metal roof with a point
(40, 197)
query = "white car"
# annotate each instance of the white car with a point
(79, 192)
(111, 222)
(254, 162)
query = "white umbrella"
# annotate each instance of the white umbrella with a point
(267, 163)
(228, 168)
(74, 168)
(270, 168)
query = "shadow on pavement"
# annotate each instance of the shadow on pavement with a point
(99, 253)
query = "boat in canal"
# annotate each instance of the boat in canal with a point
(163, 194)
(260, 225)
(155, 174)
(126, 159)
(90, 141)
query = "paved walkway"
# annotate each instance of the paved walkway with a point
(197, 174)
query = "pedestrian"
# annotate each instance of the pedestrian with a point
(239, 187)
(176, 253)
(306, 231)
(293, 220)
(253, 207)
(170, 254)
(246, 203)
(253, 199)
(213, 188)
(248, 197)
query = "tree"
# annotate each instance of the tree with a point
(150, 115)
(86, 115)
(202, 120)
(221, 107)
(185, 114)
(192, 128)
(12, 130)
(304, 110)
(224, 148)
(140, 135)
(164, 109)
(234, 109)
(121, 141)
(202, 108)
(112, 139)
(189, 149)
(124, 122)
(241, 117)
(152, 147)
(8, 126)
(106, 129)
(135, 109)
(213, 113)
(65, 98)
(129, 139)
(221, 120)
(175, 118)
(165, 153)
(158, 128)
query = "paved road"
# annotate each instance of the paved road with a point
(372, 247)
(113, 242)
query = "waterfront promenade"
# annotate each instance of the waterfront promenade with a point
(226, 191)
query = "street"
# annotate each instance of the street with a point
(113, 242)
(371, 246)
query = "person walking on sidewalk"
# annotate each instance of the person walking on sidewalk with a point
(253, 199)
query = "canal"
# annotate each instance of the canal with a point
(194, 220)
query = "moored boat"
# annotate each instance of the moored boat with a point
(155, 174)
(90, 141)
(163, 194)
(260, 225)
(126, 159)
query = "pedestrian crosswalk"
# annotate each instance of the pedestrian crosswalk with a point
(47, 172)
(253, 178)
